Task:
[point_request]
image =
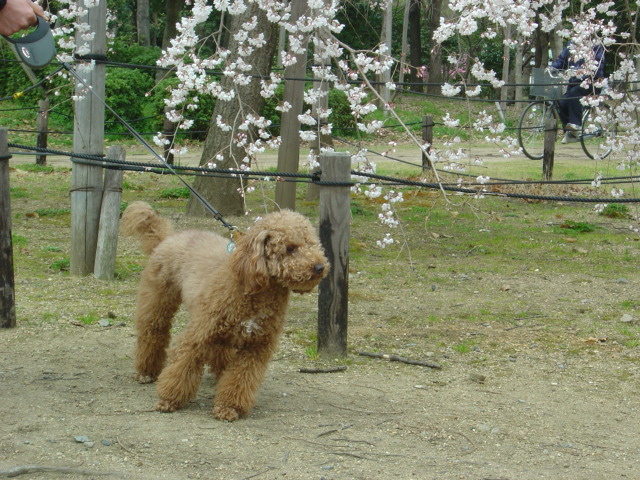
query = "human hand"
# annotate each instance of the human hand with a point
(19, 15)
(552, 71)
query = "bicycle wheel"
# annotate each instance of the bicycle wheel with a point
(531, 128)
(598, 132)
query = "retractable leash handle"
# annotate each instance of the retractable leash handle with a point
(36, 49)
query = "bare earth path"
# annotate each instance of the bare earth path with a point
(68, 399)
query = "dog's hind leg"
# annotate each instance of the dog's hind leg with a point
(218, 358)
(238, 385)
(155, 309)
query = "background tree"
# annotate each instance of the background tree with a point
(222, 146)
(172, 14)
(143, 23)
(434, 73)
(415, 45)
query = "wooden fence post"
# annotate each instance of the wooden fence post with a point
(427, 137)
(88, 137)
(42, 125)
(7, 282)
(550, 135)
(335, 218)
(109, 218)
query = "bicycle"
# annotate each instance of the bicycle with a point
(594, 136)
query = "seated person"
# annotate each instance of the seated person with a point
(570, 108)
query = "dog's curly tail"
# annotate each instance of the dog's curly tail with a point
(140, 220)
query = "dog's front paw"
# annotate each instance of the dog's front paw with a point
(222, 412)
(141, 378)
(167, 406)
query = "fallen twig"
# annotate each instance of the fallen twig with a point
(396, 358)
(25, 469)
(366, 412)
(259, 473)
(323, 370)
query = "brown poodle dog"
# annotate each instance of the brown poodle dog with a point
(237, 303)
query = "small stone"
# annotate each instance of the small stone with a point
(626, 318)
(104, 323)
(106, 443)
(477, 378)
(483, 427)
(566, 445)
(81, 438)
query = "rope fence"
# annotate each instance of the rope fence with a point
(454, 187)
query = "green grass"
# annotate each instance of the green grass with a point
(312, 352)
(579, 227)
(178, 192)
(60, 265)
(52, 212)
(615, 210)
(16, 192)
(88, 319)
(464, 347)
(458, 264)
(19, 241)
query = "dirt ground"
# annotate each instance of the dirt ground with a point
(69, 401)
(514, 408)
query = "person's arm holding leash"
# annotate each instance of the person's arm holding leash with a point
(16, 15)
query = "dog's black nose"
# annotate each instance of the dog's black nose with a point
(318, 268)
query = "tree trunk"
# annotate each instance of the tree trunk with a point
(542, 48)
(386, 38)
(404, 61)
(172, 8)
(323, 140)
(415, 45)
(506, 63)
(223, 193)
(435, 56)
(289, 152)
(519, 77)
(143, 23)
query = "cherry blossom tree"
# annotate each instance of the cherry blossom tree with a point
(238, 134)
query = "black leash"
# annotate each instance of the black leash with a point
(216, 214)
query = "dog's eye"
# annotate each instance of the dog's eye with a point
(291, 249)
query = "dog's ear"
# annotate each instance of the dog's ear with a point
(249, 261)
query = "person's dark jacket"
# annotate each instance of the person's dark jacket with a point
(564, 62)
